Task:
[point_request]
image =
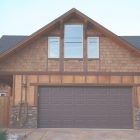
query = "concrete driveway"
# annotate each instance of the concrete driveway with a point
(83, 134)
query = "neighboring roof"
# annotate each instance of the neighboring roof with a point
(134, 40)
(60, 19)
(9, 41)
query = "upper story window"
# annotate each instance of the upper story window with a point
(93, 47)
(53, 47)
(73, 41)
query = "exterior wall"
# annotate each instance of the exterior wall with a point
(113, 58)
(73, 66)
(28, 94)
(53, 65)
(116, 58)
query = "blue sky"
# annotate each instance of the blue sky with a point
(23, 17)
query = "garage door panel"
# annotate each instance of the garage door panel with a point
(53, 113)
(89, 124)
(96, 101)
(89, 107)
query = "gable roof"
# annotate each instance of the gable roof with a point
(46, 28)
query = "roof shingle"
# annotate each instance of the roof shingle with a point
(134, 40)
(9, 41)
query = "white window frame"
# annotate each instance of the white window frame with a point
(82, 43)
(49, 46)
(97, 38)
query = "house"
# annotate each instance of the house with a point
(72, 73)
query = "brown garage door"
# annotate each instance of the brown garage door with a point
(85, 107)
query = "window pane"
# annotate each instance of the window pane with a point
(53, 47)
(73, 50)
(73, 41)
(93, 47)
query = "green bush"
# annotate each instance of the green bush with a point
(3, 135)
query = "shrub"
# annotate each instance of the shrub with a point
(3, 135)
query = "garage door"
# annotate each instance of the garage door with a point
(85, 107)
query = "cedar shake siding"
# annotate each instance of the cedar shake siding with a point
(31, 58)
(113, 58)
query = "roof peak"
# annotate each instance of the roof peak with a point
(73, 9)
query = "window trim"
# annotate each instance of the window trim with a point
(74, 58)
(88, 58)
(58, 37)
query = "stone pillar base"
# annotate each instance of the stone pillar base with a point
(23, 118)
(137, 118)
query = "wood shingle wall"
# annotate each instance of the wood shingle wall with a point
(113, 58)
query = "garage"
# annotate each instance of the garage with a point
(85, 107)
